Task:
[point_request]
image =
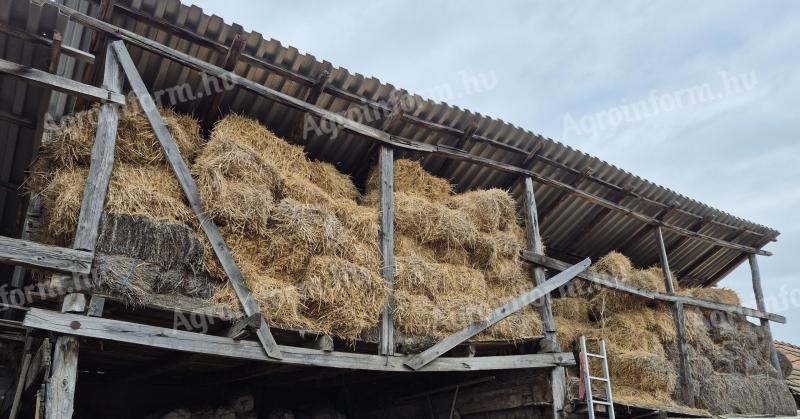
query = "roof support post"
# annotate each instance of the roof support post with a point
(677, 314)
(212, 112)
(100, 167)
(386, 237)
(756, 274)
(189, 188)
(558, 378)
(60, 399)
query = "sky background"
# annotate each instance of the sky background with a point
(547, 64)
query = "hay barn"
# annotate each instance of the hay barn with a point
(198, 222)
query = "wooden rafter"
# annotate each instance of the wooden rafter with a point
(58, 83)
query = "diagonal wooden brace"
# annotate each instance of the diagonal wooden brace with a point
(420, 360)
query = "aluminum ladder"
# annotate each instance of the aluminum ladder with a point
(587, 378)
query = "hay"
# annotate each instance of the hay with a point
(70, 143)
(439, 280)
(147, 191)
(273, 149)
(410, 178)
(432, 223)
(303, 191)
(341, 297)
(236, 185)
(360, 221)
(333, 182)
(489, 210)
(643, 371)
(571, 308)
(720, 295)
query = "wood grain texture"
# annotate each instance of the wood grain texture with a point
(755, 273)
(386, 237)
(517, 303)
(611, 282)
(534, 244)
(37, 255)
(120, 331)
(58, 83)
(193, 196)
(375, 134)
(61, 389)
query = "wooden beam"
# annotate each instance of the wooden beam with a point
(595, 219)
(43, 40)
(677, 314)
(22, 378)
(314, 93)
(563, 195)
(102, 160)
(635, 238)
(193, 196)
(40, 365)
(617, 284)
(702, 258)
(759, 295)
(29, 224)
(58, 83)
(461, 143)
(535, 246)
(37, 255)
(386, 237)
(244, 327)
(140, 334)
(517, 303)
(368, 132)
(60, 399)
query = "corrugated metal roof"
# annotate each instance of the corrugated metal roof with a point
(572, 228)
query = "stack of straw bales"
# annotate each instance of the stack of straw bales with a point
(641, 342)
(304, 237)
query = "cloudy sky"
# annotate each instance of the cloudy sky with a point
(701, 97)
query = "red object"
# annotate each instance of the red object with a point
(584, 366)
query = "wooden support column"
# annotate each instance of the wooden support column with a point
(60, 399)
(558, 378)
(189, 188)
(231, 58)
(100, 166)
(677, 314)
(759, 294)
(386, 165)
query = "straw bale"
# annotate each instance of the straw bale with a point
(432, 223)
(342, 297)
(439, 280)
(360, 221)
(572, 308)
(148, 191)
(570, 330)
(410, 179)
(243, 130)
(333, 182)
(302, 190)
(720, 295)
(644, 371)
(70, 143)
(489, 210)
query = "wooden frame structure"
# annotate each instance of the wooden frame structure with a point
(79, 259)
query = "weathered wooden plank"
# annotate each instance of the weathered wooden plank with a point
(61, 389)
(23, 373)
(535, 246)
(759, 294)
(96, 305)
(140, 334)
(611, 282)
(58, 83)
(685, 388)
(244, 327)
(102, 160)
(193, 196)
(386, 178)
(373, 133)
(420, 360)
(37, 255)
(74, 303)
(40, 364)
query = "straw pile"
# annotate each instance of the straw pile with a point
(641, 343)
(304, 238)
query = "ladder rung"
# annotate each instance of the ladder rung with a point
(594, 355)
(598, 378)
(601, 402)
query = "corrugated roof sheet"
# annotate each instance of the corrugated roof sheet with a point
(572, 227)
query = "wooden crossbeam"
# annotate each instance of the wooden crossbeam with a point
(67, 50)
(372, 133)
(178, 340)
(38, 255)
(517, 303)
(193, 196)
(58, 83)
(614, 283)
(759, 294)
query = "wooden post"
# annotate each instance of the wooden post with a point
(61, 390)
(558, 378)
(386, 165)
(677, 314)
(100, 166)
(756, 273)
